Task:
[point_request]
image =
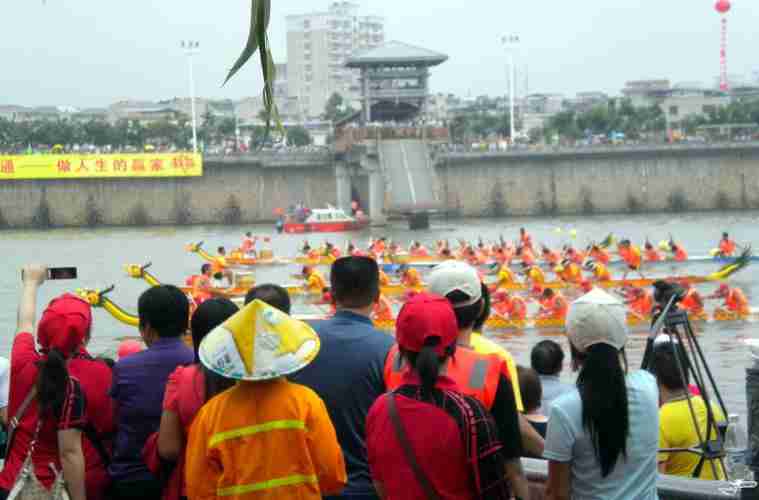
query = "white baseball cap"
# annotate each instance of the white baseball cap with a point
(451, 276)
(597, 318)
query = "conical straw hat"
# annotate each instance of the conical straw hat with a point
(259, 343)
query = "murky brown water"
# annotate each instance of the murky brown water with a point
(102, 254)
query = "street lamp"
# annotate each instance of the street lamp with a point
(191, 48)
(510, 42)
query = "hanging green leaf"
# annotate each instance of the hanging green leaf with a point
(259, 23)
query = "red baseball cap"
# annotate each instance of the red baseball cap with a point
(426, 316)
(64, 324)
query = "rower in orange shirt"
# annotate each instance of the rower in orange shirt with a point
(525, 238)
(586, 286)
(735, 300)
(553, 305)
(525, 253)
(410, 277)
(550, 257)
(574, 255)
(383, 309)
(641, 303)
(599, 254)
(631, 255)
(507, 306)
(651, 253)
(418, 250)
(314, 281)
(505, 276)
(692, 303)
(680, 255)
(599, 270)
(201, 284)
(569, 272)
(726, 246)
(384, 279)
(534, 274)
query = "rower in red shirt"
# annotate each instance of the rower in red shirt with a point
(641, 303)
(726, 246)
(692, 303)
(525, 238)
(680, 255)
(550, 257)
(553, 305)
(418, 250)
(508, 306)
(599, 254)
(651, 253)
(735, 300)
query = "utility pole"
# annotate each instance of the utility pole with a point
(192, 48)
(510, 42)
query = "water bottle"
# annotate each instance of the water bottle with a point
(736, 447)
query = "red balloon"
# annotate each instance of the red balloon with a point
(723, 6)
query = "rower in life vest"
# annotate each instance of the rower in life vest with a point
(200, 284)
(641, 302)
(410, 277)
(599, 254)
(314, 281)
(586, 286)
(505, 276)
(726, 246)
(678, 252)
(331, 250)
(384, 279)
(569, 272)
(631, 255)
(526, 255)
(575, 255)
(418, 250)
(383, 309)
(599, 270)
(525, 239)
(248, 245)
(534, 274)
(550, 257)
(692, 303)
(651, 254)
(378, 247)
(553, 305)
(354, 251)
(735, 300)
(508, 306)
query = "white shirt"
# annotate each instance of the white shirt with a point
(5, 378)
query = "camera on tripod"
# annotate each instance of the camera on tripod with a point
(672, 321)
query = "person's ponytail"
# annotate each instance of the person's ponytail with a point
(605, 412)
(52, 380)
(428, 364)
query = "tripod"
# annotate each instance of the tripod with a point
(674, 322)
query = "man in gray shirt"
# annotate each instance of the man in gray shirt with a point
(547, 358)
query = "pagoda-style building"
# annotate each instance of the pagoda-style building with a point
(394, 81)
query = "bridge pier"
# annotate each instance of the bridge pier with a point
(343, 180)
(377, 197)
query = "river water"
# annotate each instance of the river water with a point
(101, 255)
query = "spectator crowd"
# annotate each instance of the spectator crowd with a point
(249, 402)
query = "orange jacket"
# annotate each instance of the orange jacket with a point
(600, 255)
(727, 247)
(692, 302)
(514, 308)
(571, 273)
(411, 278)
(477, 375)
(680, 254)
(643, 304)
(631, 256)
(264, 440)
(528, 256)
(552, 258)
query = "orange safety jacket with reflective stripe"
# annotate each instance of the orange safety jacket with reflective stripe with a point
(477, 375)
(264, 440)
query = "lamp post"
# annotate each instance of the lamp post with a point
(191, 48)
(510, 42)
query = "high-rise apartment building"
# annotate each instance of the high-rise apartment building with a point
(318, 45)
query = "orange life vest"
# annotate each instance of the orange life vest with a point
(514, 308)
(571, 273)
(477, 375)
(653, 255)
(411, 278)
(526, 240)
(601, 272)
(631, 256)
(558, 306)
(527, 256)
(536, 275)
(727, 247)
(383, 309)
(552, 257)
(680, 254)
(384, 279)
(736, 301)
(642, 304)
(218, 264)
(419, 251)
(692, 302)
(600, 255)
(577, 257)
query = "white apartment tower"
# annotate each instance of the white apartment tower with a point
(318, 45)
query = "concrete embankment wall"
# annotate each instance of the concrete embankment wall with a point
(615, 181)
(228, 192)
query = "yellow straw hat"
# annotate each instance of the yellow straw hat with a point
(259, 343)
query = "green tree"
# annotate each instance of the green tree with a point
(336, 108)
(298, 136)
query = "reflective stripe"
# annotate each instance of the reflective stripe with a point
(477, 377)
(266, 485)
(255, 429)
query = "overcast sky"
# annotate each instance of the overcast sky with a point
(94, 52)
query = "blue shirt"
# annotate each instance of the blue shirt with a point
(348, 375)
(139, 381)
(631, 479)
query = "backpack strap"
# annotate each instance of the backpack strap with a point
(424, 481)
(14, 422)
